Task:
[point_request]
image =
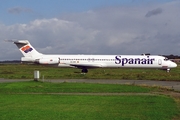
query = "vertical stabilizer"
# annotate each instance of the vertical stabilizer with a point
(27, 49)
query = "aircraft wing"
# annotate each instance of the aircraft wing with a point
(86, 65)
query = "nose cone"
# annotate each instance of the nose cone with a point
(173, 65)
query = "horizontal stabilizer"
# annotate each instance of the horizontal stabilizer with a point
(18, 41)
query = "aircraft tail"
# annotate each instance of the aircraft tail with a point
(26, 49)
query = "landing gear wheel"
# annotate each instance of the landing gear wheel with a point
(84, 71)
(168, 70)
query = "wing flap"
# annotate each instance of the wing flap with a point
(86, 65)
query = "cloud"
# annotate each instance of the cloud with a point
(112, 30)
(154, 12)
(18, 10)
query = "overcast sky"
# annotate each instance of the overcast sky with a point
(91, 26)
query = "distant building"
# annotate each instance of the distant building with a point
(175, 60)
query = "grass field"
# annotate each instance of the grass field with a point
(65, 101)
(24, 71)
(45, 101)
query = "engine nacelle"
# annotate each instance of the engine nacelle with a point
(50, 61)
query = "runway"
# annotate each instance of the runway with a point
(175, 85)
(169, 84)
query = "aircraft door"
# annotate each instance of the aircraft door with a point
(88, 59)
(59, 61)
(159, 62)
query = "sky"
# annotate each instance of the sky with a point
(118, 27)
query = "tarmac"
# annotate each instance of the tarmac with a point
(174, 85)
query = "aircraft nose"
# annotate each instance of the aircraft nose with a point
(173, 65)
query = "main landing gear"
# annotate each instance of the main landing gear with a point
(84, 70)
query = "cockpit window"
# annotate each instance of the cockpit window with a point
(165, 59)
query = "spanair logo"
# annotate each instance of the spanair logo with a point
(124, 61)
(26, 49)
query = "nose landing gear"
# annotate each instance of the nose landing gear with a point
(84, 70)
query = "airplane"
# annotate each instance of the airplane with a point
(85, 62)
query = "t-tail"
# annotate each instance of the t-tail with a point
(29, 52)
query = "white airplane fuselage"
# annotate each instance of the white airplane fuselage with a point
(92, 61)
(85, 62)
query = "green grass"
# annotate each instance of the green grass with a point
(65, 107)
(45, 87)
(24, 71)
(36, 100)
